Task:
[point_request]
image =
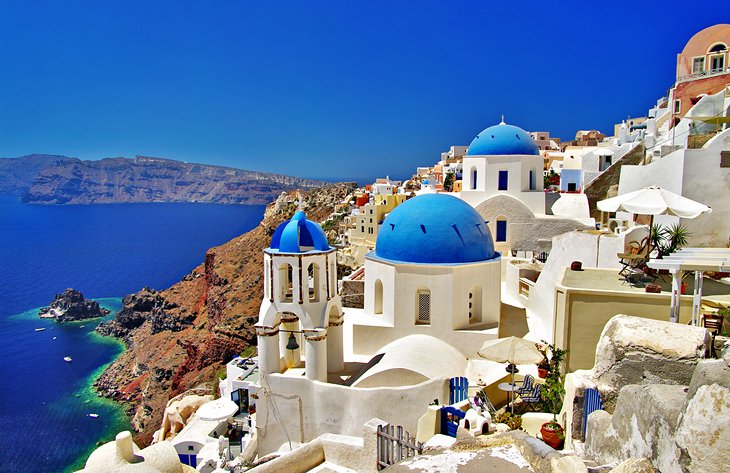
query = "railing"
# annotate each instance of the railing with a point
(703, 74)
(395, 444)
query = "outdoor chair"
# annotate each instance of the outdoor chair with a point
(527, 384)
(531, 398)
(482, 401)
(636, 257)
(713, 323)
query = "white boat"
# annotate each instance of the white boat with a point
(55, 338)
(94, 415)
(67, 359)
(40, 329)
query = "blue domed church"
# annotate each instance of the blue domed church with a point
(503, 181)
(434, 272)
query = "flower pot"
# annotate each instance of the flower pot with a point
(552, 436)
(542, 373)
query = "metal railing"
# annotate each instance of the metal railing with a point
(703, 74)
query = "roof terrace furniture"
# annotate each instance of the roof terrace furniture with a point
(531, 398)
(527, 385)
(635, 257)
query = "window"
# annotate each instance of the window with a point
(725, 159)
(378, 297)
(503, 177)
(423, 306)
(698, 65)
(677, 106)
(718, 48)
(313, 282)
(285, 283)
(475, 304)
(717, 63)
(501, 230)
(473, 178)
(532, 179)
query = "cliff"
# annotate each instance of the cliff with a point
(17, 174)
(70, 305)
(182, 337)
(46, 179)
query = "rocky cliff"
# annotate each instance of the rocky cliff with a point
(45, 179)
(182, 337)
(71, 305)
(17, 174)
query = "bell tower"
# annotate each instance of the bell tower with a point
(301, 313)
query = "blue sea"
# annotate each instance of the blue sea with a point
(106, 252)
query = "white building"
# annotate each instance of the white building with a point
(503, 180)
(432, 291)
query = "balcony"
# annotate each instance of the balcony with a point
(703, 74)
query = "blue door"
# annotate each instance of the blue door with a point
(450, 417)
(501, 230)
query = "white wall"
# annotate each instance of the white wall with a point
(311, 408)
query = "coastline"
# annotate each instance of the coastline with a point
(84, 399)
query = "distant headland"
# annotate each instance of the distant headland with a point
(55, 179)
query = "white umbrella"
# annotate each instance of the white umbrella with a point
(654, 201)
(512, 350)
(218, 410)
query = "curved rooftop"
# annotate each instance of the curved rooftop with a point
(299, 235)
(434, 229)
(502, 139)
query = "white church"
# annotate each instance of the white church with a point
(432, 298)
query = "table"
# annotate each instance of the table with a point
(511, 388)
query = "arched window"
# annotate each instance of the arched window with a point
(285, 283)
(473, 178)
(475, 304)
(533, 183)
(501, 229)
(313, 282)
(423, 307)
(718, 48)
(378, 297)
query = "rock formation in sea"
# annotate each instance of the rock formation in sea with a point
(181, 338)
(47, 179)
(71, 305)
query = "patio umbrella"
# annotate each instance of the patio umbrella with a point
(653, 201)
(512, 350)
(218, 410)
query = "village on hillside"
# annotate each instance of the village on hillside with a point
(519, 304)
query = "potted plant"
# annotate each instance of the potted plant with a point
(544, 366)
(553, 391)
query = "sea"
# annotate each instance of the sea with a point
(104, 251)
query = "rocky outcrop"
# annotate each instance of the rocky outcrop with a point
(44, 179)
(70, 305)
(633, 350)
(180, 338)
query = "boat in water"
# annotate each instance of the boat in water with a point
(94, 415)
(67, 359)
(40, 329)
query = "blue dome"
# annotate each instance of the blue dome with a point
(502, 139)
(299, 235)
(435, 229)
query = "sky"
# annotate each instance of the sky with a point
(335, 90)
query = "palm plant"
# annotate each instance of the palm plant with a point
(667, 240)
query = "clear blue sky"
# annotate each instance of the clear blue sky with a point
(325, 89)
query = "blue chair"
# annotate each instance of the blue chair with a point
(531, 399)
(527, 384)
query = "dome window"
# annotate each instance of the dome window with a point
(718, 48)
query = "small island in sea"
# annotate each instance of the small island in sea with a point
(70, 305)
